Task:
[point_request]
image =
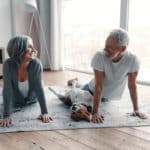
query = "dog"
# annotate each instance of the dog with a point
(79, 102)
(81, 112)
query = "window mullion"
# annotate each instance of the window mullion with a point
(124, 14)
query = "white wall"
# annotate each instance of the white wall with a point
(21, 18)
(22, 23)
(12, 21)
(5, 24)
(15, 21)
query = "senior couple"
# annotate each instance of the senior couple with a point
(113, 67)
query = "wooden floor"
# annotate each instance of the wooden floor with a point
(135, 138)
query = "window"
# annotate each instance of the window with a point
(139, 29)
(87, 23)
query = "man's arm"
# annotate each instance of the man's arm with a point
(134, 95)
(99, 77)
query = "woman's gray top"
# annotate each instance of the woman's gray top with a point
(12, 97)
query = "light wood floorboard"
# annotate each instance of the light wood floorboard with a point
(133, 138)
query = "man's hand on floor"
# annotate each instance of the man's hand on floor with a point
(97, 118)
(139, 114)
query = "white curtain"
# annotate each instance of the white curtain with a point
(51, 14)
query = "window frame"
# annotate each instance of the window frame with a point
(124, 23)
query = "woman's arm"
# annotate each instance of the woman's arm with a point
(38, 88)
(38, 85)
(7, 90)
(7, 95)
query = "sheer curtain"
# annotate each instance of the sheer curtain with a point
(50, 13)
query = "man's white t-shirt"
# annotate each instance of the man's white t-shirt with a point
(115, 73)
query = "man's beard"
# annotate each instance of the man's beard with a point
(111, 57)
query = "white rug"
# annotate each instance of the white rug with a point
(117, 114)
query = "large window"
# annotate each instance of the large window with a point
(139, 29)
(87, 23)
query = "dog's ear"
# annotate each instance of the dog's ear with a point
(85, 115)
(81, 114)
(63, 99)
(66, 100)
(75, 116)
(89, 109)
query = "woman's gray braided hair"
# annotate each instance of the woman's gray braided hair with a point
(121, 36)
(16, 48)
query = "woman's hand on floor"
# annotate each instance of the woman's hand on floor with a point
(45, 118)
(6, 122)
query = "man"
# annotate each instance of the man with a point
(113, 67)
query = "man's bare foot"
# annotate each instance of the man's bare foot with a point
(70, 82)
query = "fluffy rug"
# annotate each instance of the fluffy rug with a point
(117, 114)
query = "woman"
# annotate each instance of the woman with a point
(22, 74)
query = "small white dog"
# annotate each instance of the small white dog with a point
(78, 95)
(80, 102)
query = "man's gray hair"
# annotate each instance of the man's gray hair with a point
(16, 48)
(121, 36)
